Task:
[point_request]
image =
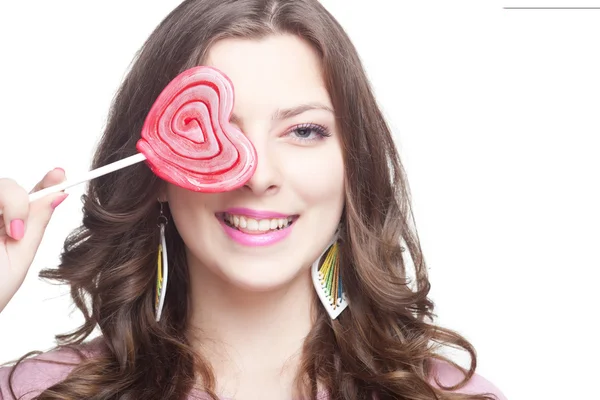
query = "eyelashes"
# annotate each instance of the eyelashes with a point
(309, 132)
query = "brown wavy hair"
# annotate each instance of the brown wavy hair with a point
(384, 344)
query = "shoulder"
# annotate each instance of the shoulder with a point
(448, 375)
(34, 375)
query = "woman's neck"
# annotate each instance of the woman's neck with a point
(251, 339)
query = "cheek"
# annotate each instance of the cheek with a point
(317, 177)
(188, 208)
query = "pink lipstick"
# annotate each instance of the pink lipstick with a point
(256, 214)
(254, 237)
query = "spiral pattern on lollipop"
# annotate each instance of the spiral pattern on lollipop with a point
(187, 138)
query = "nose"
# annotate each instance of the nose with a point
(267, 177)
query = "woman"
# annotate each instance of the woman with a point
(241, 318)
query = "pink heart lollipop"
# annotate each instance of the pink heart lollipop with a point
(187, 138)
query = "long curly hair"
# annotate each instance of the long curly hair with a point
(385, 344)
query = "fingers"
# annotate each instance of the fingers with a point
(40, 213)
(19, 215)
(14, 202)
(54, 177)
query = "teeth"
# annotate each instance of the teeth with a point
(262, 225)
(252, 224)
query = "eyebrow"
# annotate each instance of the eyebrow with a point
(285, 113)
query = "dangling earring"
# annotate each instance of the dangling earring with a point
(327, 281)
(162, 273)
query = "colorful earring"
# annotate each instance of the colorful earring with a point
(162, 273)
(327, 281)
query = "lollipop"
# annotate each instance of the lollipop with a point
(187, 139)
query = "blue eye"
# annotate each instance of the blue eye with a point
(309, 132)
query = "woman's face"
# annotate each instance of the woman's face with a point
(283, 107)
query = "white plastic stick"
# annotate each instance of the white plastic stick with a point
(126, 162)
(117, 165)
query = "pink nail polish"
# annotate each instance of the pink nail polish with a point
(59, 200)
(17, 229)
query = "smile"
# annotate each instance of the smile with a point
(252, 225)
(254, 231)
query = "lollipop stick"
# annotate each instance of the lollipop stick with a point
(136, 158)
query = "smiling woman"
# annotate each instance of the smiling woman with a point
(244, 313)
(283, 106)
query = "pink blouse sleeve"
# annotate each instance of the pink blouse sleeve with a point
(36, 374)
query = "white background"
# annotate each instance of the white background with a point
(497, 114)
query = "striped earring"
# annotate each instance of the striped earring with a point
(327, 281)
(162, 273)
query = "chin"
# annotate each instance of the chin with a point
(243, 272)
(261, 276)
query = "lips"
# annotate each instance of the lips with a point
(256, 214)
(251, 225)
(256, 228)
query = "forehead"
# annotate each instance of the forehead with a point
(277, 71)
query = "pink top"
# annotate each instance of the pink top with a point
(33, 376)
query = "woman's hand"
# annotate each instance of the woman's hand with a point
(22, 227)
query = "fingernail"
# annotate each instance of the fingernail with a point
(17, 229)
(59, 200)
(59, 169)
